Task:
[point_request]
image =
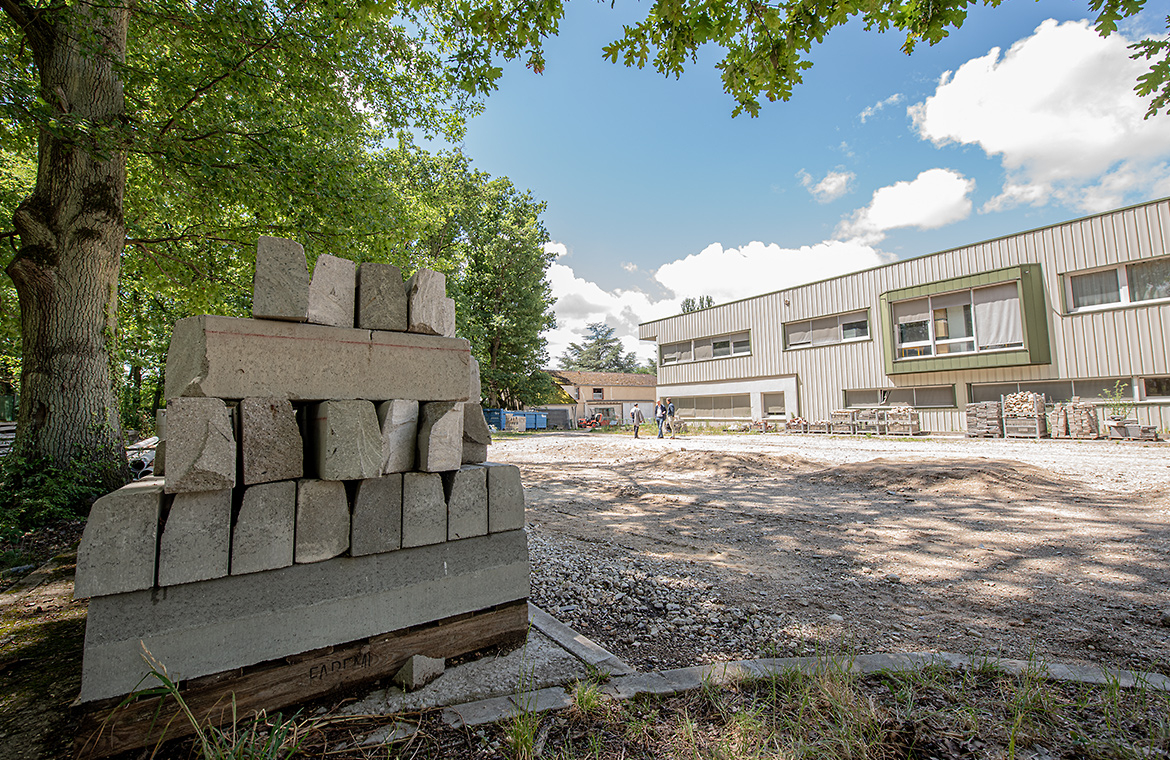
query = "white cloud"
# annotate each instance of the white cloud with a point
(934, 198)
(868, 111)
(833, 186)
(556, 249)
(1060, 111)
(725, 274)
(629, 266)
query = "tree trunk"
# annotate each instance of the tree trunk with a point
(71, 237)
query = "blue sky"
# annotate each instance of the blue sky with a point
(656, 193)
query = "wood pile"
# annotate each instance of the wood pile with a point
(903, 420)
(841, 421)
(796, 425)
(870, 421)
(984, 421)
(1023, 404)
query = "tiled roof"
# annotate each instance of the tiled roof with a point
(567, 377)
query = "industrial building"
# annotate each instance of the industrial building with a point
(1067, 310)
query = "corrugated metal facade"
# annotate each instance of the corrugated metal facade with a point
(1132, 341)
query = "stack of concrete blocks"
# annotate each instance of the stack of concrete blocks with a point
(325, 481)
(984, 420)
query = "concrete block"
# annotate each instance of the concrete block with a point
(424, 509)
(201, 447)
(196, 542)
(160, 449)
(474, 453)
(440, 436)
(264, 529)
(399, 422)
(346, 440)
(467, 502)
(430, 311)
(280, 285)
(419, 671)
(232, 358)
(213, 626)
(475, 427)
(117, 549)
(474, 390)
(376, 523)
(381, 297)
(322, 521)
(332, 291)
(270, 441)
(505, 497)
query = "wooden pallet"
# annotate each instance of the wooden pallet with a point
(109, 727)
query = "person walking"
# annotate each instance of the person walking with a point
(670, 418)
(660, 416)
(637, 418)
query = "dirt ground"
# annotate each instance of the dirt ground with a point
(716, 547)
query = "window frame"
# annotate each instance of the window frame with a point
(883, 395)
(933, 342)
(842, 319)
(738, 343)
(1125, 299)
(1146, 387)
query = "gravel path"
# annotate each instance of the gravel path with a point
(711, 548)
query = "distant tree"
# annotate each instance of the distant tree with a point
(690, 304)
(599, 352)
(649, 368)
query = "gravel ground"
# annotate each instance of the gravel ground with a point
(709, 548)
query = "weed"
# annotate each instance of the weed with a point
(587, 697)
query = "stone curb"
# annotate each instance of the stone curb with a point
(36, 578)
(678, 680)
(577, 645)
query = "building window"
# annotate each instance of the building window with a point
(925, 397)
(1054, 391)
(962, 322)
(705, 348)
(825, 331)
(598, 394)
(1116, 286)
(714, 407)
(1157, 387)
(774, 405)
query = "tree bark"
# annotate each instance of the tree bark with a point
(71, 238)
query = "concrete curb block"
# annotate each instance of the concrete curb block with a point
(577, 645)
(678, 680)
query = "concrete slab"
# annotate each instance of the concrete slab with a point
(440, 436)
(429, 310)
(201, 446)
(322, 521)
(196, 541)
(117, 550)
(160, 448)
(270, 441)
(399, 422)
(467, 502)
(376, 522)
(265, 526)
(475, 427)
(381, 297)
(280, 285)
(474, 389)
(345, 439)
(576, 644)
(332, 291)
(474, 453)
(505, 497)
(419, 671)
(211, 626)
(230, 358)
(424, 509)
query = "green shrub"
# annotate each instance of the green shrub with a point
(35, 492)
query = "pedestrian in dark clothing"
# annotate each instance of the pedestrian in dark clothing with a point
(670, 418)
(660, 416)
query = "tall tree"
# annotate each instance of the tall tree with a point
(690, 304)
(600, 351)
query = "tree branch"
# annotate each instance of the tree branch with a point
(31, 21)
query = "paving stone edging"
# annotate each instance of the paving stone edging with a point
(19, 590)
(678, 680)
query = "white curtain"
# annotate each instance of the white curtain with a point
(998, 321)
(825, 331)
(911, 311)
(1149, 280)
(799, 333)
(1095, 288)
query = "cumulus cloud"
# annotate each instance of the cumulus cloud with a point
(869, 111)
(934, 198)
(556, 249)
(1060, 111)
(725, 274)
(833, 186)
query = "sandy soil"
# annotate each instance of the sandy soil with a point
(715, 547)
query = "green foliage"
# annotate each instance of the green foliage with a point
(690, 304)
(1119, 401)
(34, 492)
(599, 352)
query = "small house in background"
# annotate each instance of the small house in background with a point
(609, 395)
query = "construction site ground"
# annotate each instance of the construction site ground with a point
(721, 547)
